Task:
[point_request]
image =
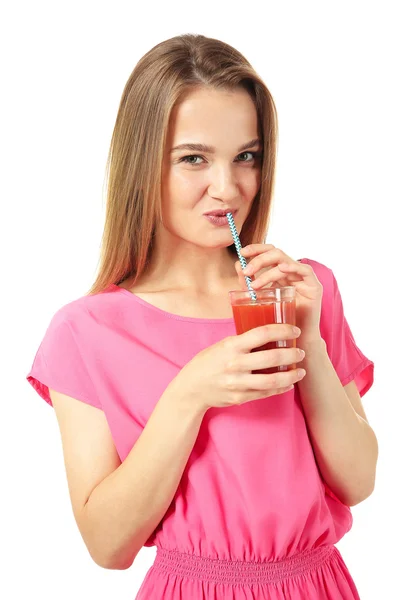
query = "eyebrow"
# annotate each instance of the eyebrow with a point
(210, 149)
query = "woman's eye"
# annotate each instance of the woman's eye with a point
(252, 153)
(186, 159)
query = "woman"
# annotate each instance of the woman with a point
(243, 482)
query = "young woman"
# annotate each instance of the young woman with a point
(169, 439)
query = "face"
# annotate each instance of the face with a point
(199, 181)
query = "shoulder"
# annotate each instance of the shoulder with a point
(85, 309)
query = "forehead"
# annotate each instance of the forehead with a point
(207, 113)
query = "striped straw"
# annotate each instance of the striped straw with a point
(238, 247)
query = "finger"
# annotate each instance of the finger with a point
(249, 397)
(273, 381)
(258, 336)
(304, 271)
(252, 249)
(265, 359)
(280, 390)
(275, 275)
(266, 259)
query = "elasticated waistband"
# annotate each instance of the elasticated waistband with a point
(237, 571)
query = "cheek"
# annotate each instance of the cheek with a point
(249, 189)
(182, 190)
(187, 182)
(251, 183)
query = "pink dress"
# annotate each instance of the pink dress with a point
(251, 518)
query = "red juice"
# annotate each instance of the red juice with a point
(248, 314)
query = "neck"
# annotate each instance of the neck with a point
(191, 268)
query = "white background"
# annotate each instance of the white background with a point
(332, 69)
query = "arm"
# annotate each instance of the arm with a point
(125, 508)
(345, 445)
(128, 503)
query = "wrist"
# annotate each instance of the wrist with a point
(184, 402)
(312, 346)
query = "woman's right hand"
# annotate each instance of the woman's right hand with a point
(221, 374)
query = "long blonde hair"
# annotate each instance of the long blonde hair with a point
(134, 165)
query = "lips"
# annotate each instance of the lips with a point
(221, 213)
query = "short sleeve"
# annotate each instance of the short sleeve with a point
(59, 365)
(347, 358)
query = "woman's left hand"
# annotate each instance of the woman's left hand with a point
(270, 265)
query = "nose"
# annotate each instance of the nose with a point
(223, 184)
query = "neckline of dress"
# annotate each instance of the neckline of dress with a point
(169, 314)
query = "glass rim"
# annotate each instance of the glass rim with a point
(270, 291)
